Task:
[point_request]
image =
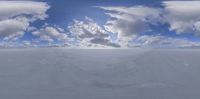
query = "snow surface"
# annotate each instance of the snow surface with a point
(62, 73)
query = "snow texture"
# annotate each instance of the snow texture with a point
(61, 73)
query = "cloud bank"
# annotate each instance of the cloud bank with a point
(129, 24)
(183, 17)
(163, 41)
(16, 16)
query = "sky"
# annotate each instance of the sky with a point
(99, 23)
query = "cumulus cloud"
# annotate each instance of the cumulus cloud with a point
(87, 29)
(51, 34)
(89, 33)
(129, 21)
(126, 22)
(13, 28)
(16, 16)
(183, 16)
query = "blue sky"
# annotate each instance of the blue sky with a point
(99, 23)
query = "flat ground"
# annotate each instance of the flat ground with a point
(99, 74)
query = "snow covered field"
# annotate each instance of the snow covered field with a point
(61, 73)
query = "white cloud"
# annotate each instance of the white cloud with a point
(163, 41)
(26, 43)
(19, 44)
(129, 21)
(183, 16)
(13, 28)
(16, 16)
(87, 29)
(103, 41)
(50, 34)
(90, 34)
(9, 9)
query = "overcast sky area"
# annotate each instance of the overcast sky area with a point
(100, 23)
